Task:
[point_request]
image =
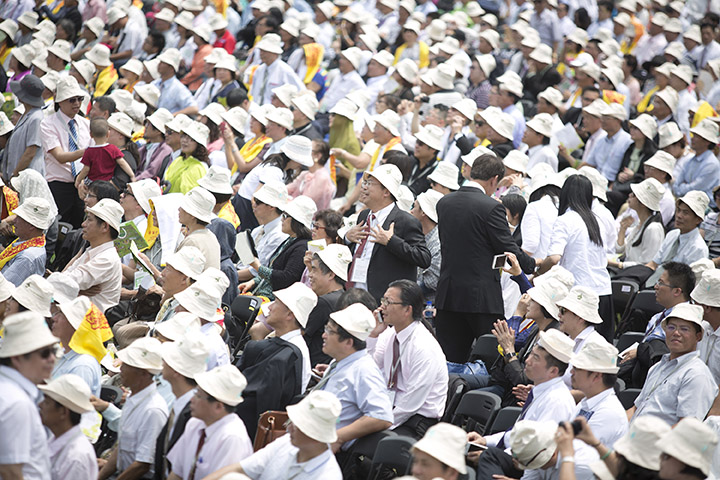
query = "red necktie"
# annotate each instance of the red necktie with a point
(359, 251)
(396, 364)
(201, 442)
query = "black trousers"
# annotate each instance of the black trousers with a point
(70, 206)
(494, 461)
(607, 313)
(456, 332)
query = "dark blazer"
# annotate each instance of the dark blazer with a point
(288, 267)
(400, 258)
(649, 151)
(502, 149)
(317, 320)
(473, 229)
(537, 82)
(160, 454)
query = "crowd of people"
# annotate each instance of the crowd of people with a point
(255, 239)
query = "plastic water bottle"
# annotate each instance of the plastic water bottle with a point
(428, 312)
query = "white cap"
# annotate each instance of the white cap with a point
(175, 327)
(302, 209)
(707, 129)
(431, 135)
(281, 116)
(389, 176)
(224, 383)
(298, 149)
(533, 443)
(649, 192)
(707, 290)
(639, 444)
(552, 96)
(697, 201)
(337, 258)
(25, 332)
(271, 42)
(584, 303)
(316, 415)
(598, 180)
(148, 93)
(557, 344)
(307, 104)
(35, 294)
(199, 203)
(75, 310)
(143, 353)
(189, 261)
(691, 442)
(171, 57)
(109, 211)
(70, 391)
(274, 194)
(596, 355)
(217, 180)
(390, 121)
(646, 124)
(122, 123)
(685, 311)
(662, 161)
(547, 293)
(299, 299)
(65, 288)
(428, 203)
(503, 123)
(670, 96)
(446, 443)
(198, 132)
(35, 211)
(356, 319)
(99, 55)
(445, 174)
(542, 123)
(516, 160)
(187, 356)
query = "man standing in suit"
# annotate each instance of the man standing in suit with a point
(388, 243)
(473, 229)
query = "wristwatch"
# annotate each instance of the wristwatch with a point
(509, 356)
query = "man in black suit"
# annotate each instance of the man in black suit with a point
(181, 361)
(388, 244)
(473, 229)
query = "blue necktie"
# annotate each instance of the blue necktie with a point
(585, 413)
(501, 443)
(72, 141)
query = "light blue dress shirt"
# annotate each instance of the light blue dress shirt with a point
(174, 96)
(28, 262)
(82, 365)
(701, 172)
(607, 156)
(519, 128)
(691, 248)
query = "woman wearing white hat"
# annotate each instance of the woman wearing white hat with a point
(316, 181)
(243, 157)
(211, 117)
(193, 162)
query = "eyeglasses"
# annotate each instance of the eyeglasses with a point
(317, 226)
(330, 332)
(479, 123)
(46, 352)
(285, 216)
(660, 283)
(127, 192)
(385, 302)
(75, 99)
(683, 329)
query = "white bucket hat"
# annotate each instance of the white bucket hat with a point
(203, 31)
(213, 112)
(547, 293)
(346, 108)
(389, 176)
(143, 353)
(65, 289)
(175, 327)
(123, 99)
(356, 319)
(143, 191)
(198, 132)
(516, 160)
(639, 444)
(596, 355)
(29, 19)
(160, 118)
(447, 444)
(274, 194)
(217, 180)
(437, 29)
(691, 442)
(115, 14)
(24, 54)
(476, 153)
(171, 57)
(35, 211)
(302, 209)
(614, 75)
(75, 310)
(596, 108)
(291, 26)
(449, 45)
(271, 42)
(646, 124)
(299, 299)
(178, 123)
(552, 96)
(96, 26)
(35, 294)
(25, 332)
(218, 22)
(487, 64)
(227, 62)
(85, 68)
(670, 96)
(46, 37)
(533, 443)
(165, 15)
(685, 311)
(68, 87)
(697, 201)
(503, 123)
(236, 117)
(675, 50)
(70, 391)
(189, 261)
(580, 36)
(186, 356)
(224, 383)
(598, 180)
(307, 104)
(662, 161)
(669, 133)
(390, 121)
(584, 303)
(337, 258)
(512, 86)
(148, 93)
(6, 125)
(445, 174)
(615, 110)
(707, 290)
(298, 149)
(185, 20)
(99, 55)
(199, 203)
(61, 49)
(122, 123)
(443, 77)
(316, 416)
(109, 211)
(202, 299)
(492, 37)
(384, 58)
(281, 116)
(405, 198)
(467, 107)
(699, 267)
(542, 54)
(428, 203)
(430, 135)
(707, 129)
(542, 123)
(684, 73)
(557, 344)
(649, 192)
(407, 69)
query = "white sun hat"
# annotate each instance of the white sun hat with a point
(202, 299)
(68, 87)
(562, 274)
(697, 201)
(274, 194)
(143, 353)
(447, 444)
(356, 319)
(547, 294)
(428, 203)
(199, 203)
(580, 36)
(217, 180)
(662, 161)
(707, 290)
(65, 289)
(691, 442)
(298, 149)
(189, 261)
(160, 118)
(25, 332)
(533, 443)
(675, 50)
(584, 303)
(24, 54)
(390, 121)
(449, 45)
(384, 58)
(284, 93)
(683, 72)
(492, 37)
(437, 29)
(407, 69)
(405, 198)
(446, 174)
(198, 132)
(503, 123)
(467, 107)
(615, 110)
(281, 116)
(271, 42)
(109, 211)
(122, 98)
(29, 19)
(178, 123)
(165, 15)
(346, 108)
(552, 96)
(430, 135)
(557, 344)
(443, 76)
(316, 415)
(699, 267)
(669, 133)
(171, 57)
(85, 68)
(99, 55)
(649, 192)
(516, 160)
(337, 258)
(302, 209)
(122, 123)
(639, 444)
(542, 54)
(148, 93)
(307, 104)
(188, 355)
(685, 311)
(96, 26)
(6, 125)
(598, 180)
(175, 327)
(213, 111)
(143, 191)
(236, 117)
(46, 38)
(596, 108)
(185, 20)
(487, 64)
(707, 129)
(70, 391)
(224, 383)
(646, 124)
(61, 49)
(35, 211)
(299, 299)
(75, 310)
(389, 176)
(596, 355)
(115, 14)
(512, 86)
(476, 153)
(370, 40)
(670, 96)
(542, 123)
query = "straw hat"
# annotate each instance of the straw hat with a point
(188, 355)
(390, 121)
(552, 96)
(639, 444)
(670, 96)
(224, 383)
(596, 355)
(299, 299)
(389, 177)
(337, 258)
(298, 149)
(447, 444)
(547, 293)
(175, 327)
(598, 180)
(198, 132)
(199, 203)
(281, 116)
(691, 442)
(356, 319)
(662, 161)
(584, 303)
(697, 201)
(685, 311)
(707, 129)
(217, 180)
(430, 135)
(25, 332)
(274, 194)
(707, 290)
(316, 416)
(533, 443)
(557, 344)
(542, 123)
(35, 211)
(516, 160)
(649, 192)
(189, 261)
(503, 123)
(446, 174)
(302, 209)
(70, 391)
(99, 55)
(143, 353)
(428, 203)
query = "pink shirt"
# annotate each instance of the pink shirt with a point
(56, 133)
(317, 185)
(95, 8)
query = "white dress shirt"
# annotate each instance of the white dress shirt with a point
(649, 46)
(267, 238)
(606, 221)
(341, 86)
(422, 381)
(709, 349)
(607, 419)
(277, 74)
(537, 226)
(278, 461)
(584, 336)
(295, 337)
(541, 154)
(219, 353)
(652, 238)
(226, 442)
(357, 274)
(99, 266)
(72, 456)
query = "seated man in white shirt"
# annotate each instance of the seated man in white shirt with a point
(346, 81)
(440, 453)
(98, 271)
(549, 399)
(71, 454)
(273, 72)
(302, 454)
(537, 136)
(706, 295)
(410, 358)
(680, 384)
(215, 437)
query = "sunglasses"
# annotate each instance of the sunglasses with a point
(75, 100)
(46, 352)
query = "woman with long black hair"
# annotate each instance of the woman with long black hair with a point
(537, 223)
(577, 245)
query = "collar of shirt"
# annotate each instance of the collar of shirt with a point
(218, 425)
(689, 236)
(100, 249)
(475, 185)
(544, 387)
(583, 335)
(137, 220)
(592, 403)
(273, 225)
(378, 79)
(291, 334)
(29, 387)
(55, 444)
(532, 150)
(140, 397)
(382, 214)
(64, 118)
(406, 333)
(181, 401)
(682, 359)
(350, 359)
(313, 463)
(702, 156)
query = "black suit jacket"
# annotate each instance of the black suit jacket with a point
(400, 258)
(161, 453)
(288, 266)
(473, 229)
(537, 82)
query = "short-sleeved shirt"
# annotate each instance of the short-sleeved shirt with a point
(56, 133)
(25, 134)
(81, 364)
(278, 460)
(143, 417)
(102, 160)
(30, 261)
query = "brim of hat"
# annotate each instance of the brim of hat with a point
(333, 267)
(39, 340)
(296, 214)
(120, 129)
(24, 97)
(699, 132)
(146, 98)
(650, 163)
(452, 185)
(210, 388)
(540, 460)
(101, 215)
(224, 190)
(495, 125)
(27, 302)
(269, 200)
(20, 212)
(513, 165)
(590, 367)
(186, 300)
(435, 144)
(287, 300)
(390, 128)
(270, 47)
(393, 189)
(648, 456)
(539, 128)
(537, 295)
(431, 447)
(652, 204)
(300, 419)
(427, 208)
(155, 123)
(693, 208)
(66, 402)
(304, 160)
(580, 310)
(125, 358)
(190, 209)
(97, 60)
(172, 356)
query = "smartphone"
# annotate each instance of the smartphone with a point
(474, 447)
(379, 317)
(499, 261)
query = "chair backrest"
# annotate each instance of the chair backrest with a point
(623, 292)
(485, 349)
(645, 301)
(392, 452)
(244, 309)
(627, 397)
(627, 339)
(477, 410)
(505, 419)
(619, 385)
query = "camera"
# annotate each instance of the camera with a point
(576, 426)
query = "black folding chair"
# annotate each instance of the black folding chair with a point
(619, 385)
(476, 411)
(485, 349)
(627, 339)
(244, 309)
(639, 312)
(505, 418)
(627, 397)
(623, 292)
(392, 453)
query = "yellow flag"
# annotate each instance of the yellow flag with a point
(92, 333)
